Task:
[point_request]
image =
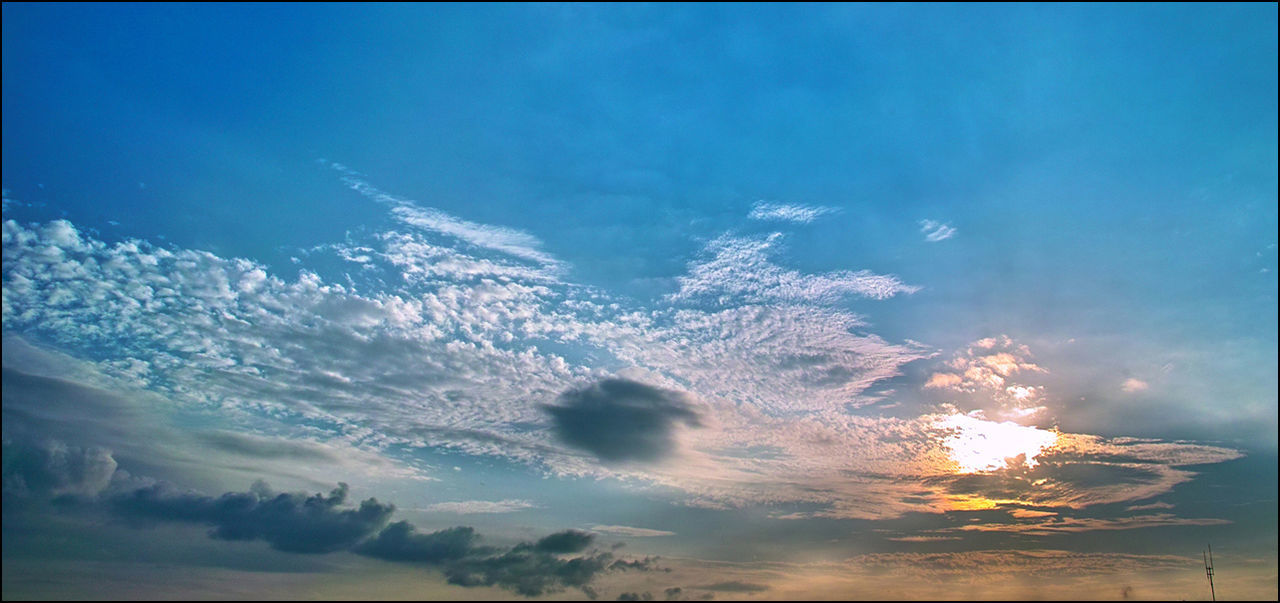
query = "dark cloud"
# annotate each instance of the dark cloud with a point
(619, 420)
(401, 542)
(290, 522)
(298, 523)
(734, 586)
(568, 541)
(644, 565)
(645, 596)
(52, 469)
(311, 524)
(528, 571)
(44, 476)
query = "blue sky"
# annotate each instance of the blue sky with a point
(780, 298)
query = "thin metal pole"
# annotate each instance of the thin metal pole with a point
(1208, 571)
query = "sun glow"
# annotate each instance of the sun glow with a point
(978, 445)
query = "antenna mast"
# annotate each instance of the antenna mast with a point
(1208, 570)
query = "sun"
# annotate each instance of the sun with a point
(977, 445)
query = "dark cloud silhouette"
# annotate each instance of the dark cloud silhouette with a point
(619, 420)
(644, 565)
(568, 541)
(52, 469)
(529, 571)
(300, 523)
(40, 477)
(294, 523)
(401, 542)
(645, 596)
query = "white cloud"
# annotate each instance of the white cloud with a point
(1150, 506)
(802, 214)
(738, 270)
(1132, 385)
(506, 240)
(991, 372)
(630, 531)
(936, 231)
(474, 507)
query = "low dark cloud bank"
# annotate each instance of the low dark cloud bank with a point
(293, 523)
(53, 469)
(38, 474)
(619, 420)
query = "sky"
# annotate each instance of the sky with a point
(639, 302)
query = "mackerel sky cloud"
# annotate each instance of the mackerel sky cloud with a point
(524, 327)
(783, 212)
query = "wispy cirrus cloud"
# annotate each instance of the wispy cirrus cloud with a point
(1058, 525)
(738, 269)
(506, 240)
(1149, 506)
(630, 531)
(935, 231)
(478, 507)
(786, 212)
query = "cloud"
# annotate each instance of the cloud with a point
(446, 342)
(401, 542)
(1150, 506)
(1058, 525)
(1037, 562)
(467, 507)
(630, 531)
(936, 231)
(734, 586)
(52, 469)
(778, 358)
(96, 410)
(449, 360)
(737, 270)
(943, 381)
(991, 371)
(267, 448)
(1080, 471)
(293, 523)
(568, 541)
(506, 240)
(801, 214)
(529, 571)
(1132, 385)
(620, 420)
(317, 523)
